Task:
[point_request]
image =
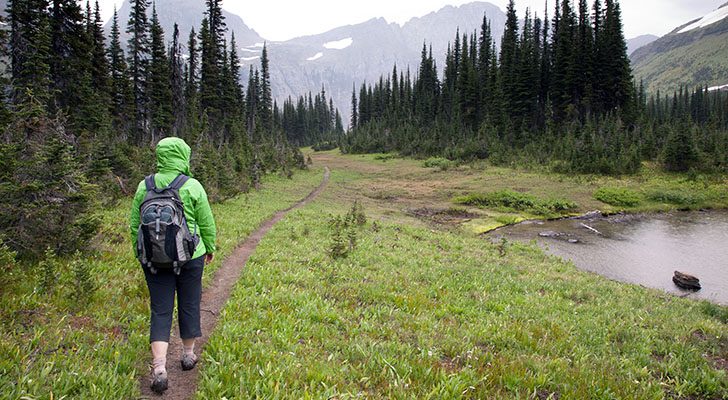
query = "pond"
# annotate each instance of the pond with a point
(642, 249)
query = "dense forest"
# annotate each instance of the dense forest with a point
(311, 121)
(81, 113)
(557, 93)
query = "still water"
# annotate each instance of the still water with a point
(644, 249)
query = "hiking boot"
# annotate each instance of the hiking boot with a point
(188, 361)
(159, 382)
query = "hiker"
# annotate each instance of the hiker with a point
(173, 242)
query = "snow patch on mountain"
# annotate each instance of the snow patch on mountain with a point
(723, 88)
(250, 58)
(316, 57)
(713, 17)
(250, 50)
(339, 44)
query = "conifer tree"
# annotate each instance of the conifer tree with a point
(177, 84)
(265, 96)
(120, 89)
(100, 75)
(158, 83)
(30, 49)
(508, 58)
(191, 94)
(139, 54)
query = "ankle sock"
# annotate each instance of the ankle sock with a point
(159, 365)
(189, 350)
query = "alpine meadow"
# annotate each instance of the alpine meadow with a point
(536, 217)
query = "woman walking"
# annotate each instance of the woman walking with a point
(173, 232)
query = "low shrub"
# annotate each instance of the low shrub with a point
(443, 164)
(324, 146)
(675, 196)
(620, 197)
(511, 200)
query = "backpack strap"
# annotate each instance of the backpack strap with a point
(149, 182)
(178, 182)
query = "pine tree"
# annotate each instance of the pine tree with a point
(234, 60)
(139, 54)
(100, 75)
(617, 75)
(191, 94)
(30, 50)
(485, 51)
(508, 58)
(71, 68)
(120, 88)
(158, 83)
(266, 97)
(354, 110)
(563, 78)
(585, 64)
(177, 84)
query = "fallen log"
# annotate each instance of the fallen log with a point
(685, 281)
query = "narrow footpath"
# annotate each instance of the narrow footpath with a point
(183, 384)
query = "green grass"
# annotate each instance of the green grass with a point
(443, 164)
(419, 313)
(414, 311)
(619, 197)
(53, 346)
(514, 201)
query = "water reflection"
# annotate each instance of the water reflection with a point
(641, 249)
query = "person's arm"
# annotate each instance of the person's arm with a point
(206, 223)
(134, 216)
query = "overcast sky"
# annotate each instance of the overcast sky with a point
(285, 19)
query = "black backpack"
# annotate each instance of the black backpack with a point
(164, 240)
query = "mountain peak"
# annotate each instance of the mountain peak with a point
(188, 14)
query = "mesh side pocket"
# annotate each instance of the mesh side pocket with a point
(170, 243)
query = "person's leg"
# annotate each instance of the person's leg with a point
(161, 303)
(159, 353)
(189, 295)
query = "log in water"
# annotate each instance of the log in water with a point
(645, 249)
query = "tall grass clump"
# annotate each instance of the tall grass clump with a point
(619, 197)
(675, 196)
(511, 200)
(443, 164)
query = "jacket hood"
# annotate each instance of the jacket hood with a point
(173, 155)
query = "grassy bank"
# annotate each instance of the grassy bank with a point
(400, 189)
(414, 312)
(60, 343)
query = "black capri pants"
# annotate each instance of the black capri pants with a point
(162, 287)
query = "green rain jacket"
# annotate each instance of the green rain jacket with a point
(173, 158)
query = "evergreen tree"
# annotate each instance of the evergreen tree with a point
(266, 97)
(158, 83)
(30, 49)
(121, 98)
(100, 75)
(354, 110)
(508, 58)
(177, 84)
(139, 54)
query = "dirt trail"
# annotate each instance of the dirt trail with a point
(183, 384)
